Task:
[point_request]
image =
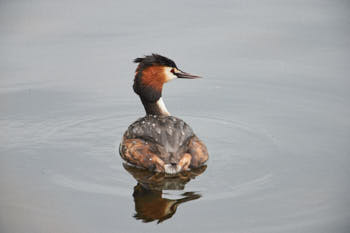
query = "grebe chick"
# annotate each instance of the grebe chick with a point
(158, 141)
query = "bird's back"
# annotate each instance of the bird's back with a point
(168, 135)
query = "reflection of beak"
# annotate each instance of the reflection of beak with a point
(150, 205)
(181, 74)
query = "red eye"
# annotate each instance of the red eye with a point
(172, 71)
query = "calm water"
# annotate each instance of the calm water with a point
(273, 109)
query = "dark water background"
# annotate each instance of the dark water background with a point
(273, 109)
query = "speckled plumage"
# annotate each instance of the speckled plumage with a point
(169, 135)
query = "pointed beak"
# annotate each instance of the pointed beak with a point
(181, 74)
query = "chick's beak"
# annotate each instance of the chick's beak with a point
(181, 74)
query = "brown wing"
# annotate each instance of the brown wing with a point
(198, 151)
(141, 154)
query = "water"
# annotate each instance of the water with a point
(273, 110)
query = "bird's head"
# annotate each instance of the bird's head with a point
(152, 72)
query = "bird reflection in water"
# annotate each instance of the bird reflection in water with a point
(149, 203)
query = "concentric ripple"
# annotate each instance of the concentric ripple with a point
(241, 156)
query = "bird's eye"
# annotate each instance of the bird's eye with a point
(172, 71)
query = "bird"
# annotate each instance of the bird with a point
(160, 142)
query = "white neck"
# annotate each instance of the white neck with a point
(162, 107)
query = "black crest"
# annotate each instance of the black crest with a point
(154, 60)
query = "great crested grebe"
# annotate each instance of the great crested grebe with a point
(158, 141)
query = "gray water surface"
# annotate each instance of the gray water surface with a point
(273, 109)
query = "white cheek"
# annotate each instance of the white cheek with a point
(169, 75)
